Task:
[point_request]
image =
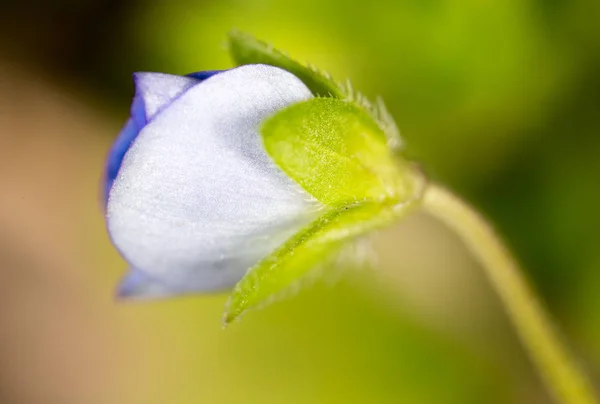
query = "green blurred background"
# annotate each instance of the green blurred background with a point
(499, 100)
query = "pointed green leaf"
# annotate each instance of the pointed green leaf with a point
(245, 49)
(302, 253)
(336, 152)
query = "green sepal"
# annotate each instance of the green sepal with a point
(303, 253)
(245, 49)
(337, 153)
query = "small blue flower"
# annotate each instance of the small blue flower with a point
(192, 198)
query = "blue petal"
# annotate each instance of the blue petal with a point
(137, 285)
(129, 132)
(139, 118)
(204, 74)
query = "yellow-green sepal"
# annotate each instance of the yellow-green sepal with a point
(337, 153)
(294, 260)
(245, 49)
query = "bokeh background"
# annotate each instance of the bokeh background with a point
(499, 100)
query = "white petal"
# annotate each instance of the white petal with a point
(197, 200)
(158, 90)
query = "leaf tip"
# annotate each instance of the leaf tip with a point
(235, 34)
(227, 319)
(234, 310)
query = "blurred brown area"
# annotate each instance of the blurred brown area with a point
(52, 330)
(58, 343)
(425, 327)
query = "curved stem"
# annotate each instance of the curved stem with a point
(558, 368)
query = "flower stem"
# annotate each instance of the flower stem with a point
(560, 371)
